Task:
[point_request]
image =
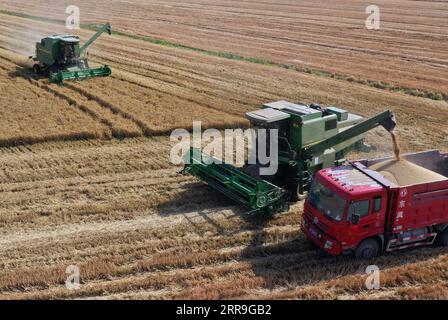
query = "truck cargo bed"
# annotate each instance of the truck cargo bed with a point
(432, 160)
(419, 205)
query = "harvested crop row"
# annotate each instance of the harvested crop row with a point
(120, 125)
(264, 83)
(22, 107)
(424, 267)
(158, 235)
(141, 225)
(120, 211)
(282, 275)
(149, 67)
(328, 36)
(82, 159)
(154, 111)
(157, 107)
(162, 74)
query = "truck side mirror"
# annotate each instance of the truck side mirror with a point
(355, 218)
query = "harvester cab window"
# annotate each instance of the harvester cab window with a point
(68, 50)
(331, 124)
(282, 137)
(360, 208)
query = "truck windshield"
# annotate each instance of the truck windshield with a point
(326, 201)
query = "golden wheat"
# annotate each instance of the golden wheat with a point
(136, 228)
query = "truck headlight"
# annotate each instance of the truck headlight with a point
(328, 244)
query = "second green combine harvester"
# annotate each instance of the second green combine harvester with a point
(61, 57)
(310, 138)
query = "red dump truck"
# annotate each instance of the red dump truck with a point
(354, 209)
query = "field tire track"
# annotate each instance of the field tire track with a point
(145, 129)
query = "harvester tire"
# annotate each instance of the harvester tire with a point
(295, 195)
(36, 69)
(368, 249)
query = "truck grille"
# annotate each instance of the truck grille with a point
(309, 217)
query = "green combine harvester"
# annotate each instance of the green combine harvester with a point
(310, 138)
(61, 57)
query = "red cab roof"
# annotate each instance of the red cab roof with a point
(349, 180)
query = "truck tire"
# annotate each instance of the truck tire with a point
(443, 238)
(368, 249)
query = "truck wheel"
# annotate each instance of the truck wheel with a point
(443, 240)
(368, 249)
(36, 69)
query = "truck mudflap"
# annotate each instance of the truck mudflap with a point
(258, 195)
(81, 74)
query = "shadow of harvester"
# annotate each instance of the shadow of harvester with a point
(25, 72)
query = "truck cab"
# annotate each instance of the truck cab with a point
(351, 209)
(343, 207)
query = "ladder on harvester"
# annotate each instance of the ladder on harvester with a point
(258, 195)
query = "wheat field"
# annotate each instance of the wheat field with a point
(86, 179)
(409, 49)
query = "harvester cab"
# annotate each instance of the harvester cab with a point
(69, 53)
(300, 126)
(61, 57)
(310, 138)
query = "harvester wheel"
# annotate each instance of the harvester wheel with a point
(295, 194)
(368, 249)
(36, 69)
